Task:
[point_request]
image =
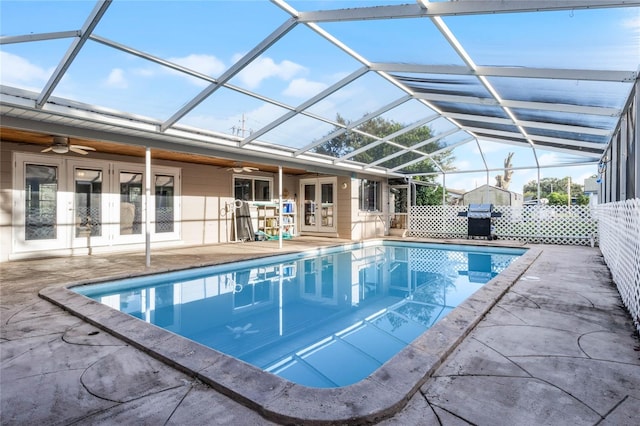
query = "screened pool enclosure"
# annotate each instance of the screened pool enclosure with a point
(442, 88)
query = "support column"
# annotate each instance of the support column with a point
(409, 203)
(539, 193)
(147, 205)
(280, 208)
(444, 190)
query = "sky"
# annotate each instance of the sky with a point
(210, 36)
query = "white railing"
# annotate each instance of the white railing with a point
(572, 225)
(619, 229)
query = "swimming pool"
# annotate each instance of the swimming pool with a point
(295, 315)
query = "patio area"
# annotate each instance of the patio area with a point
(557, 348)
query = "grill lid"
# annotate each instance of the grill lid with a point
(480, 208)
(479, 211)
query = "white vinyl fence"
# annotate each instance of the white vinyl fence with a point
(572, 225)
(619, 229)
(615, 227)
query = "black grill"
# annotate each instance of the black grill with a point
(479, 220)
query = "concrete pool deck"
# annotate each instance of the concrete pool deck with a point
(557, 348)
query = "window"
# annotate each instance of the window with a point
(252, 189)
(370, 195)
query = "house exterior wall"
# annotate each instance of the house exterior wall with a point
(6, 200)
(345, 201)
(206, 205)
(205, 202)
(366, 225)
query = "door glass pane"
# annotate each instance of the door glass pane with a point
(242, 189)
(327, 204)
(327, 277)
(310, 205)
(130, 203)
(398, 206)
(41, 190)
(310, 277)
(88, 202)
(164, 203)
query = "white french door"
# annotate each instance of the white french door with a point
(75, 203)
(318, 204)
(90, 217)
(40, 208)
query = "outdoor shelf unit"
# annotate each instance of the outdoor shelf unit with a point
(268, 219)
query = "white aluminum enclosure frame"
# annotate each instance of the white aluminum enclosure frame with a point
(44, 112)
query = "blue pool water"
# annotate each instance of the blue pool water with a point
(323, 319)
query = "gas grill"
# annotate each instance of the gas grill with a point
(479, 220)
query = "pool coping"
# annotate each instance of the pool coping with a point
(379, 396)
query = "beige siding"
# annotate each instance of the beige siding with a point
(206, 196)
(6, 199)
(345, 207)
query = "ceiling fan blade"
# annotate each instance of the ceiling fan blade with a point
(47, 149)
(77, 150)
(86, 148)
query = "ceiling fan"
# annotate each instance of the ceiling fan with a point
(239, 169)
(61, 145)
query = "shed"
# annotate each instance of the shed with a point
(488, 194)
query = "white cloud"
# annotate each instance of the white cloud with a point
(490, 146)
(462, 164)
(205, 64)
(254, 119)
(303, 88)
(264, 68)
(548, 159)
(144, 72)
(18, 71)
(632, 23)
(116, 79)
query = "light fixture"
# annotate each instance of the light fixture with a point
(60, 149)
(61, 145)
(344, 185)
(239, 168)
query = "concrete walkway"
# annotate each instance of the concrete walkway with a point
(557, 349)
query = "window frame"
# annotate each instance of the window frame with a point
(377, 193)
(253, 180)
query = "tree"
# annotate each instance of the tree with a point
(428, 195)
(549, 186)
(503, 181)
(350, 141)
(557, 199)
